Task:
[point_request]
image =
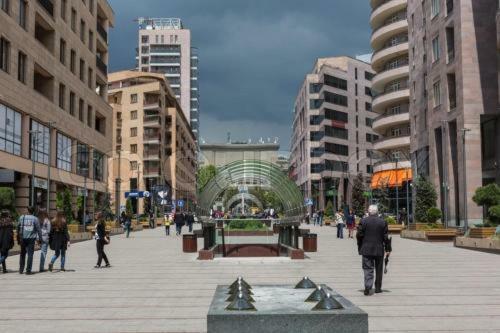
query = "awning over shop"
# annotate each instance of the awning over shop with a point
(391, 178)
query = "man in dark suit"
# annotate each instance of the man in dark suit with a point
(373, 241)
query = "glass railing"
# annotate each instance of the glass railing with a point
(400, 17)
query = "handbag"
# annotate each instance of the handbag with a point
(107, 240)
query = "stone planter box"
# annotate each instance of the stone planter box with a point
(430, 235)
(479, 244)
(242, 233)
(418, 226)
(327, 221)
(74, 228)
(395, 228)
(482, 232)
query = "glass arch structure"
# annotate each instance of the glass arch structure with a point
(246, 197)
(258, 173)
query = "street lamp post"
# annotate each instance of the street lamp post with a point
(444, 185)
(49, 165)
(34, 140)
(407, 200)
(397, 191)
(464, 168)
(84, 196)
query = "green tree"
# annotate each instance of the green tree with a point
(128, 207)
(425, 198)
(358, 199)
(8, 199)
(494, 214)
(433, 215)
(67, 206)
(489, 197)
(329, 209)
(205, 175)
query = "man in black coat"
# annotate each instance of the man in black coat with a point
(373, 241)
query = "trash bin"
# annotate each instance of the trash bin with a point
(189, 243)
(310, 242)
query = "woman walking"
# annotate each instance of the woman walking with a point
(59, 240)
(351, 223)
(6, 237)
(339, 219)
(101, 240)
(43, 218)
(127, 223)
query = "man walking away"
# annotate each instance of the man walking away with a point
(28, 232)
(151, 219)
(102, 239)
(190, 221)
(179, 222)
(373, 239)
(6, 237)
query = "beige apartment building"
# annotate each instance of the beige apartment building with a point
(332, 130)
(154, 147)
(164, 46)
(389, 42)
(220, 154)
(454, 109)
(53, 99)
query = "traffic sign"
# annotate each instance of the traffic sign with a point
(308, 202)
(180, 203)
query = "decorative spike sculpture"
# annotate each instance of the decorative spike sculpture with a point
(242, 292)
(317, 295)
(241, 304)
(238, 281)
(305, 283)
(237, 288)
(328, 303)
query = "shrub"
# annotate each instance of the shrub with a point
(390, 220)
(329, 209)
(251, 225)
(494, 214)
(488, 195)
(425, 199)
(433, 215)
(7, 199)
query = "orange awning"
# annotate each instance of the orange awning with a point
(391, 178)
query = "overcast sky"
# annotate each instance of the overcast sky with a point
(253, 54)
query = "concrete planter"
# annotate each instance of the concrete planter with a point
(430, 235)
(74, 228)
(480, 244)
(418, 226)
(483, 232)
(395, 228)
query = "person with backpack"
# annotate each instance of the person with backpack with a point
(6, 237)
(28, 232)
(179, 221)
(102, 239)
(43, 218)
(59, 240)
(167, 224)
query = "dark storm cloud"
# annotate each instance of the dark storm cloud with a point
(253, 53)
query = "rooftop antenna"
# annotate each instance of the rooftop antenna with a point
(228, 137)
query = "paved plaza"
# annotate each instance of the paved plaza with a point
(154, 287)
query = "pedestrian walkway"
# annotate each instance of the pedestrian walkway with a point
(154, 287)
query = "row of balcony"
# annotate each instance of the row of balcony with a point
(389, 119)
(385, 9)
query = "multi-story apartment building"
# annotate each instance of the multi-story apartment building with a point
(55, 121)
(154, 145)
(332, 130)
(454, 109)
(165, 47)
(389, 42)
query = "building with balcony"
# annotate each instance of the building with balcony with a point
(154, 147)
(164, 46)
(53, 100)
(390, 86)
(454, 104)
(332, 130)
(220, 154)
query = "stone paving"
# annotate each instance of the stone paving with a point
(154, 287)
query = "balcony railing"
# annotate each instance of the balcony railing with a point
(119, 122)
(101, 65)
(48, 6)
(389, 89)
(390, 114)
(152, 119)
(393, 65)
(380, 4)
(151, 136)
(389, 22)
(102, 31)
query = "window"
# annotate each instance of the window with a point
(369, 76)
(335, 82)
(82, 159)
(81, 106)
(355, 73)
(98, 165)
(396, 132)
(336, 116)
(145, 39)
(72, 62)
(62, 96)
(449, 6)
(5, 5)
(91, 7)
(316, 136)
(317, 168)
(356, 89)
(63, 152)
(133, 131)
(315, 104)
(368, 106)
(337, 149)
(452, 91)
(39, 142)
(21, 67)
(73, 19)
(133, 115)
(394, 110)
(90, 77)
(314, 88)
(336, 166)
(82, 30)
(91, 40)
(72, 103)
(133, 98)
(89, 116)
(335, 132)
(368, 122)
(64, 8)
(133, 165)
(368, 91)
(4, 54)
(335, 98)
(62, 51)
(133, 149)
(315, 120)
(437, 93)
(371, 137)
(82, 70)
(10, 130)
(450, 44)
(23, 11)
(435, 8)
(435, 49)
